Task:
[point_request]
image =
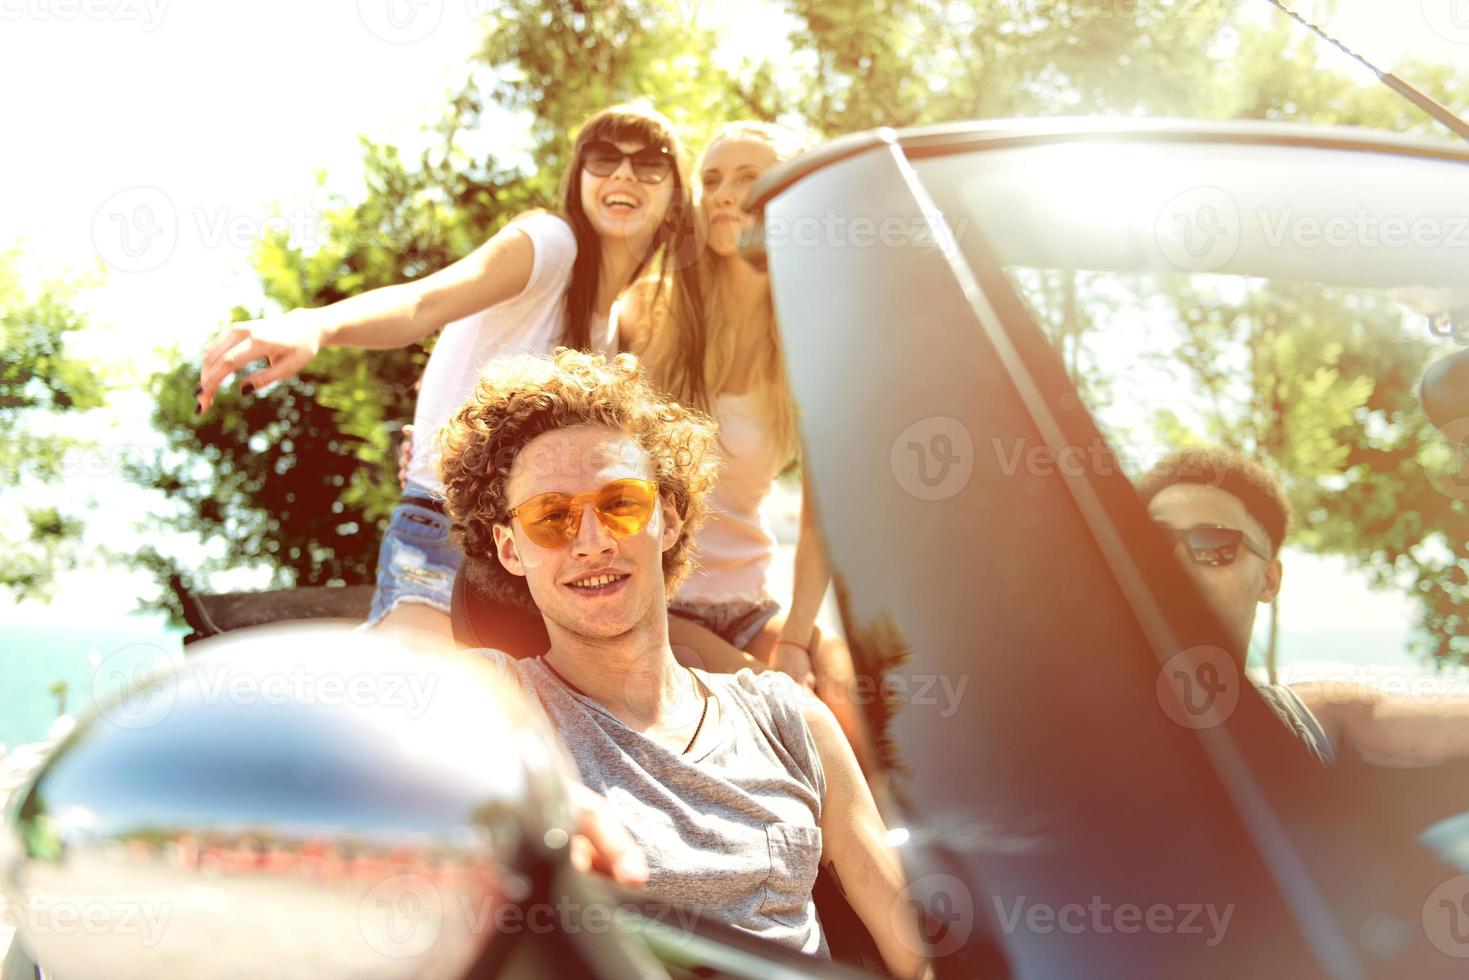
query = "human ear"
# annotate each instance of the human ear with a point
(672, 523)
(507, 551)
(1270, 588)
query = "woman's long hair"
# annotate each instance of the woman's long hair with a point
(691, 347)
(630, 122)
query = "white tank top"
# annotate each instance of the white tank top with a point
(529, 323)
(734, 548)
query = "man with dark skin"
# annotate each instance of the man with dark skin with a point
(1210, 490)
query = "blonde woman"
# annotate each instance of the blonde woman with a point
(708, 337)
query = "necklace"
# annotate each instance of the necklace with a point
(704, 713)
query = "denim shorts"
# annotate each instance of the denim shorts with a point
(417, 561)
(736, 621)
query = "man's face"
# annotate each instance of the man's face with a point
(580, 460)
(1234, 590)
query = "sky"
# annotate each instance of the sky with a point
(150, 142)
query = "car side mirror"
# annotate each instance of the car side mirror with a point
(290, 802)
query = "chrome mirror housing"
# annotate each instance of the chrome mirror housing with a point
(291, 801)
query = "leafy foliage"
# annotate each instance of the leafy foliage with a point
(38, 378)
(301, 478)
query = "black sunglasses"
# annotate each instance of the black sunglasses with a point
(650, 165)
(1210, 544)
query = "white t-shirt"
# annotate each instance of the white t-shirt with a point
(530, 323)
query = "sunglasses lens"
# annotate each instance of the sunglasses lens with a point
(1213, 545)
(602, 159)
(650, 166)
(549, 519)
(626, 506)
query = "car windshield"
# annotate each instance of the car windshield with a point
(1279, 296)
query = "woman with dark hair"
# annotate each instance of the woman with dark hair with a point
(544, 280)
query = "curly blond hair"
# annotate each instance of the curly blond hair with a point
(520, 398)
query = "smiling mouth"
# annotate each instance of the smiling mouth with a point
(598, 584)
(623, 203)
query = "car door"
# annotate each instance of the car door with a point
(1079, 778)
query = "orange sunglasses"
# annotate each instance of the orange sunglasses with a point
(552, 520)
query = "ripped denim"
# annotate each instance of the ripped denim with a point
(416, 561)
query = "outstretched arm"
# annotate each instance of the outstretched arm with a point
(1390, 729)
(380, 319)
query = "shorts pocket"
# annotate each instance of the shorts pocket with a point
(420, 525)
(795, 856)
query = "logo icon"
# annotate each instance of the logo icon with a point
(1449, 19)
(400, 21)
(1446, 917)
(136, 229)
(1199, 688)
(130, 687)
(930, 22)
(1198, 230)
(933, 458)
(401, 916)
(941, 907)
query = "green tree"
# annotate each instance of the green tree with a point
(38, 378)
(300, 478)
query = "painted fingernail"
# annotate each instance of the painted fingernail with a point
(198, 407)
(248, 389)
(198, 390)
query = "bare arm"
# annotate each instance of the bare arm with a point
(710, 651)
(853, 843)
(797, 637)
(380, 319)
(1390, 729)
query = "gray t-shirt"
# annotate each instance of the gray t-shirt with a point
(1298, 718)
(733, 828)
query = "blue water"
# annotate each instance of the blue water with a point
(32, 658)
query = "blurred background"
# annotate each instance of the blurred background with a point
(172, 165)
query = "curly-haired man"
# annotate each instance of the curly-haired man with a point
(571, 485)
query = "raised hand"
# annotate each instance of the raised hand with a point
(287, 342)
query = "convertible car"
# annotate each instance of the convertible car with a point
(991, 329)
